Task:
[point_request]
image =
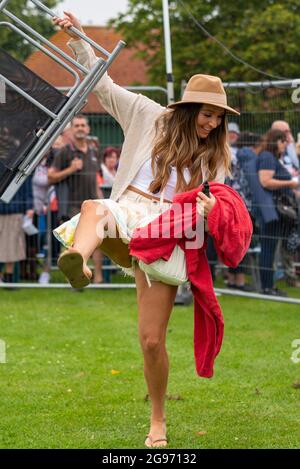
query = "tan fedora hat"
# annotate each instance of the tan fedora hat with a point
(205, 89)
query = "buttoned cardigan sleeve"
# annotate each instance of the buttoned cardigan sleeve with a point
(120, 103)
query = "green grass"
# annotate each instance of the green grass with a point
(57, 389)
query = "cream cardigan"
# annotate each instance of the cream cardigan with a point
(136, 115)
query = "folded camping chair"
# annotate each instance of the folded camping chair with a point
(32, 112)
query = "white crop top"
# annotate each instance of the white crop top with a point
(144, 178)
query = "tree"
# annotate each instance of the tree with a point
(12, 42)
(264, 33)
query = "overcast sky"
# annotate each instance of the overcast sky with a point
(93, 11)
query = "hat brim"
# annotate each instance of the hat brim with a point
(229, 109)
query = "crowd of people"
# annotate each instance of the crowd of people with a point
(264, 171)
(72, 171)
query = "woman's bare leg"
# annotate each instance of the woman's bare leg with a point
(89, 235)
(155, 306)
(90, 229)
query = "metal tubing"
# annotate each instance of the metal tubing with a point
(64, 117)
(168, 51)
(46, 51)
(45, 41)
(261, 84)
(3, 4)
(27, 96)
(85, 87)
(102, 286)
(74, 30)
(257, 296)
(72, 106)
(110, 286)
(147, 88)
(129, 88)
(49, 233)
(96, 72)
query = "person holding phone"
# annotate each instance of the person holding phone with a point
(166, 151)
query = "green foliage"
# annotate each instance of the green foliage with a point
(262, 32)
(13, 43)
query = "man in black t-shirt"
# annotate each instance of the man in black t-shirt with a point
(76, 165)
(74, 173)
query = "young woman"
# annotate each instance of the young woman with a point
(165, 151)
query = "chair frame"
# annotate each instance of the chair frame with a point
(77, 94)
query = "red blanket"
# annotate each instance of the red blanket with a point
(231, 228)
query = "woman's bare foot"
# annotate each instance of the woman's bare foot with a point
(72, 264)
(157, 436)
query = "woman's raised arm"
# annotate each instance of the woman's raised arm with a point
(122, 104)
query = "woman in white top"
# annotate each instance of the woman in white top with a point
(165, 151)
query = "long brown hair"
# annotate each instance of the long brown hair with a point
(178, 144)
(270, 141)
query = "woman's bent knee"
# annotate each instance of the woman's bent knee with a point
(89, 205)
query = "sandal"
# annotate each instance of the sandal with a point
(71, 264)
(155, 441)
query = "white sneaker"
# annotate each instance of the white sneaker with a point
(44, 278)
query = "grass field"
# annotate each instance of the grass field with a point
(74, 374)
